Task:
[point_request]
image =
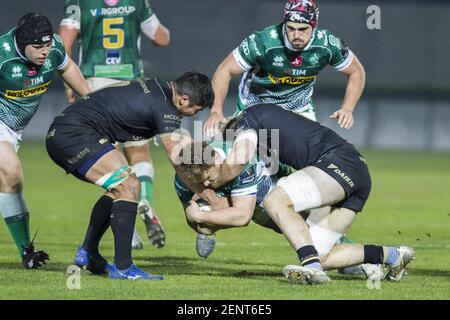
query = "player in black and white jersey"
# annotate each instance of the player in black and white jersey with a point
(331, 173)
(81, 138)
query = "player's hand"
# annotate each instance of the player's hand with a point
(216, 202)
(212, 124)
(344, 118)
(193, 212)
(70, 95)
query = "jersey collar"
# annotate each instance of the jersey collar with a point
(289, 45)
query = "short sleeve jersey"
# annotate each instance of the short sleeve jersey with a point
(277, 73)
(109, 35)
(22, 83)
(296, 141)
(127, 111)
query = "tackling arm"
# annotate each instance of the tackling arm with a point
(244, 149)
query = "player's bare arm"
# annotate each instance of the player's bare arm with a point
(68, 35)
(355, 87)
(73, 77)
(238, 215)
(220, 82)
(162, 36)
(244, 149)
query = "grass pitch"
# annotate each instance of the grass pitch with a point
(409, 205)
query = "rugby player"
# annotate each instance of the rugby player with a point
(109, 37)
(29, 56)
(280, 65)
(247, 193)
(331, 172)
(81, 139)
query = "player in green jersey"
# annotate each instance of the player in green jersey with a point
(280, 65)
(29, 56)
(109, 32)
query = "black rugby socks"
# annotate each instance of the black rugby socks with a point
(99, 223)
(123, 219)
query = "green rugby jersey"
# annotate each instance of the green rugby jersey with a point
(277, 73)
(255, 179)
(244, 184)
(109, 35)
(22, 83)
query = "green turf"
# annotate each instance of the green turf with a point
(409, 205)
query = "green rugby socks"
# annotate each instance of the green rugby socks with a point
(15, 213)
(145, 172)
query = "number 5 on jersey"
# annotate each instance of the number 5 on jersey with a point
(109, 30)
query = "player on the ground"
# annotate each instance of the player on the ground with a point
(331, 172)
(29, 56)
(109, 34)
(280, 65)
(81, 140)
(241, 200)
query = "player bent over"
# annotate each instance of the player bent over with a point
(29, 57)
(331, 172)
(81, 140)
(247, 193)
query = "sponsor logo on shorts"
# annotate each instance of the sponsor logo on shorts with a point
(291, 80)
(103, 141)
(18, 94)
(363, 159)
(79, 156)
(342, 174)
(50, 134)
(137, 138)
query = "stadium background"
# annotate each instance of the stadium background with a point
(406, 103)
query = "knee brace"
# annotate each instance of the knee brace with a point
(302, 190)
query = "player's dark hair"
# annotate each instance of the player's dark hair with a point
(196, 157)
(197, 86)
